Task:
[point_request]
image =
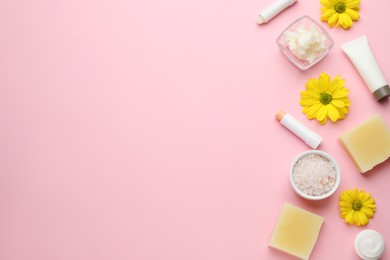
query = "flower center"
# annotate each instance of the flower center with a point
(325, 98)
(340, 7)
(357, 205)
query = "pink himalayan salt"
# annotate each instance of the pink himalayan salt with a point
(314, 175)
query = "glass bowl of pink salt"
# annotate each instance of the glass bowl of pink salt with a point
(315, 175)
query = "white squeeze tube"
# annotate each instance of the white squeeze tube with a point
(359, 52)
(274, 9)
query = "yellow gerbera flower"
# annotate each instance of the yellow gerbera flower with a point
(325, 98)
(342, 12)
(356, 207)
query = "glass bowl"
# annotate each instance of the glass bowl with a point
(304, 42)
(315, 175)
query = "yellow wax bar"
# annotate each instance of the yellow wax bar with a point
(296, 231)
(368, 144)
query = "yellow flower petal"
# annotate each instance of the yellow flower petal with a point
(346, 204)
(311, 84)
(346, 101)
(352, 3)
(369, 212)
(344, 213)
(335, 84)
(321, 113)
(333, 113)
(311, 109)
(341, 93)
(370, 203)
(328, 3)
(363, 196)
(323, 82)
(327, 14)
(343, 110)
(338, 103)
(350, 217)
(311, 93)
(345, 21)
(361, 219)
(323, 122)
(333, 20)
(350, 195)
(342, 114)
(309, 102)
(353, 14)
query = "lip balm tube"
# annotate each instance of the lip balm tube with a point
(274, 9)
(369, 245)
(360, 53)
(311, 138)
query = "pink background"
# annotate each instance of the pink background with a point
(146, 130)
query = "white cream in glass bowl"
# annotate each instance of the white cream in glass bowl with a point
(305, 42)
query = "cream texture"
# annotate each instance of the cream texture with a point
(306, 43)
(369, 245)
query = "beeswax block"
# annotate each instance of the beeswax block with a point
(296, 231)
(368, 144)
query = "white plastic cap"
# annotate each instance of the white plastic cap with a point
(369, 245)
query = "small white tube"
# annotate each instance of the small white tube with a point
(311, 138)
(360, 53)
(274, 9)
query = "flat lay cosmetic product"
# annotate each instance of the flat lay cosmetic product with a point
(296, 231)
(368, 144)
(315, 175)
(272, 10)
(369, 245)
(360, 53)
(304, 42)
(311, 138)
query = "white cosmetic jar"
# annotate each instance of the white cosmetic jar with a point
(369, 245)
(315, 175)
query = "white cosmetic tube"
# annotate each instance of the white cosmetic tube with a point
(311, 138)
(359, 52)
(274, 9)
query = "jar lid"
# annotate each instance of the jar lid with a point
(369, 245)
